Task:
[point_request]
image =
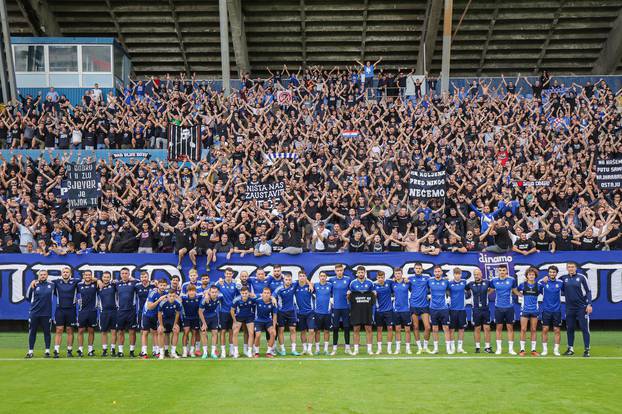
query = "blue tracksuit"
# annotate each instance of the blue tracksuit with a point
(578, 297)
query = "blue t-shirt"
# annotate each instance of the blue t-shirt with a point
(210, 307)
(126, 294)
(304, 299)
(153, 296)
(184, 287)
(263, 311)
(361, 286)
(551, 295)
(340, 291)
(229, 291)
(503, 289)
(274, 284)
(87, 292)
(190, 307)
(438, 293)
(456, 294)
(419, 291)
(257, 285)
(384, 296)
(169, 310)
(141, 294)
(243, 309)
(530, 293)
(65, 293)
(323, 293)
(400, 292)
(107, 296)
(285, 297)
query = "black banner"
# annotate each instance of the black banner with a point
(261, 192)
(81, 186)
(184, 143)
(609, 174)
(426, 184)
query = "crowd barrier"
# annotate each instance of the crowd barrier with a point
(75, 154)
(603, 270)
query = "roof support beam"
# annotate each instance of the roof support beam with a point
(180, 38)
(547, 41)
(303, 32)
(491, 29)
(429, 33)
(364, 31)
(39, 17)
(238, 36)
(611, 52)
(115, 21)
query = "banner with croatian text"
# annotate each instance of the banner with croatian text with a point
(427, 184)
(81, 187)
(265, 191)
(609, 174)
(603, 270)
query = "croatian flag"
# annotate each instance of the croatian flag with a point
(350, 133)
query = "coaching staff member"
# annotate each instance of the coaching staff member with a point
(578, 307)
(40, 293)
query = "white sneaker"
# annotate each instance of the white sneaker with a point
(353, 353)
(333, 352)
(511, 352)
(370, 352)
(433, 352)
(419, 351)
(161, 355)
(556, 352)
(379, 351)
(397, 351)
(544, 353)
(498, 351)
(174, 355)
(223, 355)
(236, 355)
(450, 352)
(408, 351)
(461, 351)
(427, 350)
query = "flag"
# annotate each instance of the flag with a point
(184, 143)
(350, 133)
(273, 156)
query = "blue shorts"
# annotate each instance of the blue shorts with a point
(384, 318)
(245, 319)
(193, 324)
(87, 319)
(341, 316)
(504, 315)
(306, 322)
(529, 314)
(168, 326)
(420, 310)
(481, 316)
(402, 318)
(322, 322)
(149, 323)
(107, 320)
(65, 317)
(286, 319)
(552, 319)
(262, 326)
(439, 317)
(457, 319)
(212, 323)
(126, 320)
(226, 322)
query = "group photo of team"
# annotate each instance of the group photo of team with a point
(211, 317)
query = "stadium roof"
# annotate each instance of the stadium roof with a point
(494, 36)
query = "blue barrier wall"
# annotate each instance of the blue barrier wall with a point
(603, 270)
(73, 94)
(125, 155)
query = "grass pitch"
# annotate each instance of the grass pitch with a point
(340, 384)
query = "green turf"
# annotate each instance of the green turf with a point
(340, 384)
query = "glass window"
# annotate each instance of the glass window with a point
(96, 58)
(29, 58)
(118, 63)
(63, 58)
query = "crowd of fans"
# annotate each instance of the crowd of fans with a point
(520, 167)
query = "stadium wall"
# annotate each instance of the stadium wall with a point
(602, 268)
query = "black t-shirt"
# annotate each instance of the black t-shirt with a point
(356, 245)
(563, 244)
(544, 245)
(588, 243)
(243, 246)
(524, 245)
(502, 238)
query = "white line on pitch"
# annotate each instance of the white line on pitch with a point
(331, 359)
